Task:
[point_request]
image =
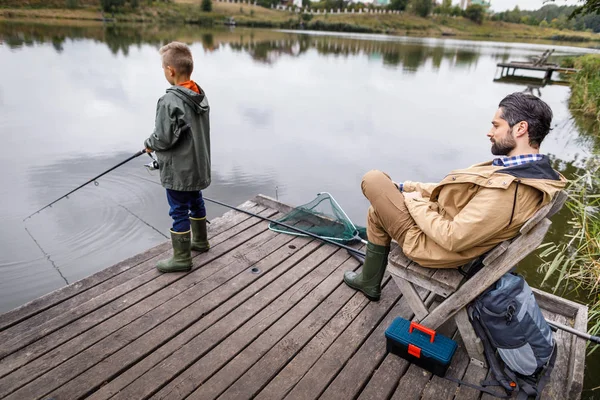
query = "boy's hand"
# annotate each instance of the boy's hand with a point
(149, 150)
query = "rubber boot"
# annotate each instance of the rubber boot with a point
(199, 234)
(369, 279)
(182, 254)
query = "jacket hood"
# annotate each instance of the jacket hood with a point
(197, 101)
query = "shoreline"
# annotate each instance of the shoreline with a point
(251, 16)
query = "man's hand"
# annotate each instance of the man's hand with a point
(149, 150)
(412, 195)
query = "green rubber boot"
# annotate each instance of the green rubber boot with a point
(369, 280)
(199, 234)
(182, 254)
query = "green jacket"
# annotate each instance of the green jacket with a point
(181, 139)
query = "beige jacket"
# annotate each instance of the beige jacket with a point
(472, 210)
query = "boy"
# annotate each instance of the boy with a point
(181, 141)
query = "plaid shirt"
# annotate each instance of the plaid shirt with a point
(517, 160)
(507, 162)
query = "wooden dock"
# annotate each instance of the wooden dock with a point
(261, 315)
(536, 64)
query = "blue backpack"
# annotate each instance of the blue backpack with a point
(517, 340)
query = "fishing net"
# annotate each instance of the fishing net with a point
(324, 217)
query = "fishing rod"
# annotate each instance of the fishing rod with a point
(575, 332)
(139, 153)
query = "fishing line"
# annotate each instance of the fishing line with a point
(47, 256)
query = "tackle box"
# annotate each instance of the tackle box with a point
(420, 345)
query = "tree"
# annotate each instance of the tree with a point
(305, 3)
(206, 5)
(456, 11)
(399, 5)
(72, 3)
(544, 24)
(446, 7)
(423, 7)
(475, 13)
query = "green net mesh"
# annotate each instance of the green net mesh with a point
(324, 217)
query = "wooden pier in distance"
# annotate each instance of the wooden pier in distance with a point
(536, 64)
(261, 315)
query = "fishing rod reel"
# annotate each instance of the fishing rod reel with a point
(152, 165)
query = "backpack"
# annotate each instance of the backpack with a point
(517, 340)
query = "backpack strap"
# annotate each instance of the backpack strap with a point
(480, 388)
(502, 377)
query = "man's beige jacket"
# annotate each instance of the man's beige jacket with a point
(472, 210)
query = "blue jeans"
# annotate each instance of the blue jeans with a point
(183, 205)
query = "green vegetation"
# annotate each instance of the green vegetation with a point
(444, 20)
(577, 262)
(206, 5)
(585, 87)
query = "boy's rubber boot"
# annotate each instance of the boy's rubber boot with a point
(369, 279)
(199, 234)
(182, 254)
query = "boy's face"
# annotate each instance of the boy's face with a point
(169, 74)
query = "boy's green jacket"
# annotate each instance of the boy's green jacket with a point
(181, 139)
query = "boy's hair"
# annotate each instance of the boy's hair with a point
(519, 107)
(178, 56)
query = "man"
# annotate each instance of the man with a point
(447, 224)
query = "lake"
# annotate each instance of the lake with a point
(292, 114)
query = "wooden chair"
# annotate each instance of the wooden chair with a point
(457, 292)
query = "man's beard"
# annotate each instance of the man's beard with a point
(503, 147)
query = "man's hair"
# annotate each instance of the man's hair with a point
(178, 56)
(517, 107)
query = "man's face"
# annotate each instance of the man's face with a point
(501, 136)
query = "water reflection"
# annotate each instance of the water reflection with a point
(262, 47)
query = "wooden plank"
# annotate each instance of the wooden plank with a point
(496, 252)
(162, 289)
(557, 387)
(474, 374)
(470, 340)
(397, 257)
(473, 287)
(411, 298)
(84, 303)
(326, 368)
(440, 388)
(450, 277)
(102, 311)
(210, 318)
(558, 204)
(214, 346)
(420, 280)
(576, 367)
(249, 371)
(43, 303)
(295, 369)
(145, 345)
(557, 305)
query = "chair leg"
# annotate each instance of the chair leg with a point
(472, 343)
(412, 298)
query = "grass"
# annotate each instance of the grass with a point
(575, 264)
(189, 12)
(585, 87)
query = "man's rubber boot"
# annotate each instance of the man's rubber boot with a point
(182, 254)
(369, 279)
(199, 234)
